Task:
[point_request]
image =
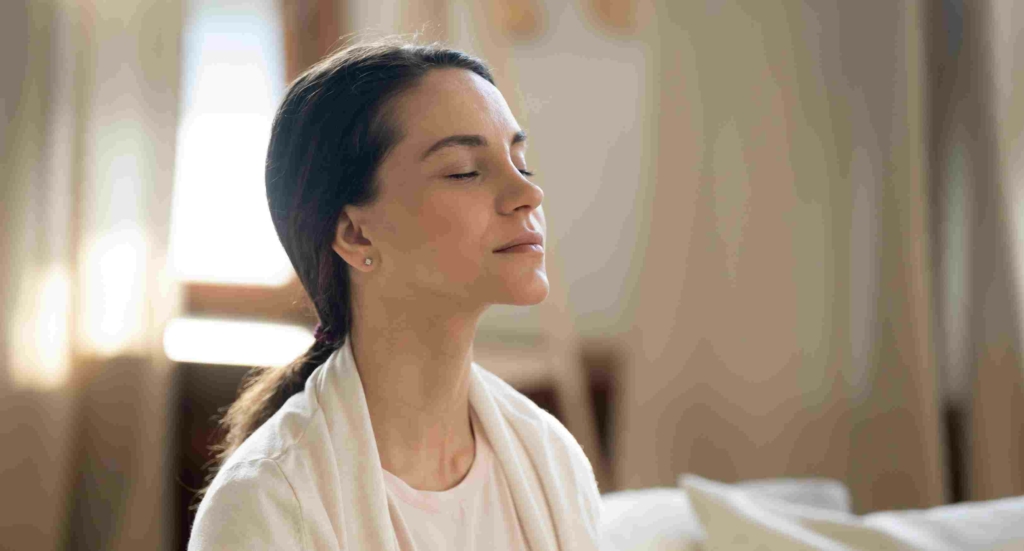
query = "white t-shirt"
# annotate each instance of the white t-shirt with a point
(478, 513)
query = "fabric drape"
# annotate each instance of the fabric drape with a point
(833, 272)
(311, 476)
(783, 314)
(90, 99)
(986, 116)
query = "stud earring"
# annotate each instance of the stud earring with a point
(368, 261)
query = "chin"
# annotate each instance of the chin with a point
(528, 293)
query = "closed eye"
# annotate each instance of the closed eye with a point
(463, 176)
(468, 175)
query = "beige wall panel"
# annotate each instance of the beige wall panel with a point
(776, 331)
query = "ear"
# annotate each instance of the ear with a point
(350, 240)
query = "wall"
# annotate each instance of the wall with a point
(786, 267)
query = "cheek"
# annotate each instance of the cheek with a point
(454, 227)
(538, 216)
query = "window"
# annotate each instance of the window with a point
(232, 80)
(239, 286)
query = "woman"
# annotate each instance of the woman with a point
(398, 185)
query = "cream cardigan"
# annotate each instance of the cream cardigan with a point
(310, 477)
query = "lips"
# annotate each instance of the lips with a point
(526, 238)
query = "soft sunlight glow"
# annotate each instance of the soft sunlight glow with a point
(229, 342)
(221, 226)
(114, 309)
(233, 78)
(41, 331)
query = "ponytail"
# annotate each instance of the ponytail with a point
(264, 391)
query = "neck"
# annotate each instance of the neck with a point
(414, 361)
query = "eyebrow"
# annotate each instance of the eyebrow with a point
(467, 140)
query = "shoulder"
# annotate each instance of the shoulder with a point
(287, 430)
(523, 412)
(250, 505)
(541, 430)
(253, 500)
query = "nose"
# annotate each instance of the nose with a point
(521, 193)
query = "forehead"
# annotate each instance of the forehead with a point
(452, 101)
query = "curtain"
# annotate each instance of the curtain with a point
(783, 320)
(832, 286)
(90, 99)
(974, 134)
(982, 125)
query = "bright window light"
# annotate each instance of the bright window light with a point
(232, 80)
(230, 342)
(40, 327)
(113, 308)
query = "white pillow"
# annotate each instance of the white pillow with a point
(652, 519)
(662, 519)
(737, 519)
(820, 493)
(980, 525)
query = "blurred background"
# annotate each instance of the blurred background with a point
(785, 239)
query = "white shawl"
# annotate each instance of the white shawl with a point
(310, 477)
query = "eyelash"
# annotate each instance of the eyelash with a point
(468, 175)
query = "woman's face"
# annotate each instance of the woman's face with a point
(447, 204)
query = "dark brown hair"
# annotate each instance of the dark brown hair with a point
(329, 136)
